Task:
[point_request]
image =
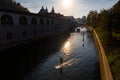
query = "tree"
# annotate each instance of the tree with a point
(91, 18)
(12, 5)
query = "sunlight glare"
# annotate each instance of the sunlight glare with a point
(67, 48)
(67, 45)
(67, 3)
(67, 63)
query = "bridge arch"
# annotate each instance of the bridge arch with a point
(77, 29)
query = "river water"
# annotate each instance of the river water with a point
(70, 56)
(75, 58)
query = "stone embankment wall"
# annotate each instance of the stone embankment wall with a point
(104, 66)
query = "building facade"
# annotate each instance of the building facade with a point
(19, 26)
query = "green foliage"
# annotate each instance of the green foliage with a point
(91, 18)
(112, 58)
(115, 64)
(107, 26)
(107, 20)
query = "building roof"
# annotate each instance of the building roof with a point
(50, 15)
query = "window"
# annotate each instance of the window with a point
(6, 20)
(42, 31)
(52, 21)
(23, 20)
(24, 33)
(34, 21)
(34, 32)
(42, 21)
(48, 29)
(47, 21)
(9, 35)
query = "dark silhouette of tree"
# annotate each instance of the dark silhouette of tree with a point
(91, 18)
(106, 21)
(12, 5)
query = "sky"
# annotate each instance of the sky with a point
(76, 8)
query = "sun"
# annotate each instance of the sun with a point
(67, 3)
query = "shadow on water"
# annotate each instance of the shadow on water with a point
(15, 62)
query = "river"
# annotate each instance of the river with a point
(70, 56)
(76, 59)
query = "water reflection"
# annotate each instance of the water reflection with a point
(65, 60)
(67, 48)
(67, 63)
(71, 62)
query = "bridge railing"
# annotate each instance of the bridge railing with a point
(104, 66)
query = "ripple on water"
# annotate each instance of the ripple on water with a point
(72, 62)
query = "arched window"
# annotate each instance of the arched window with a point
(34, 32)
(6, 20)
(9, 35)
(42, 21)
(47, 21)
(34, 21)
(23, 20)
(52, 21)
(24, 33)
(42, 31)
(48, 29)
